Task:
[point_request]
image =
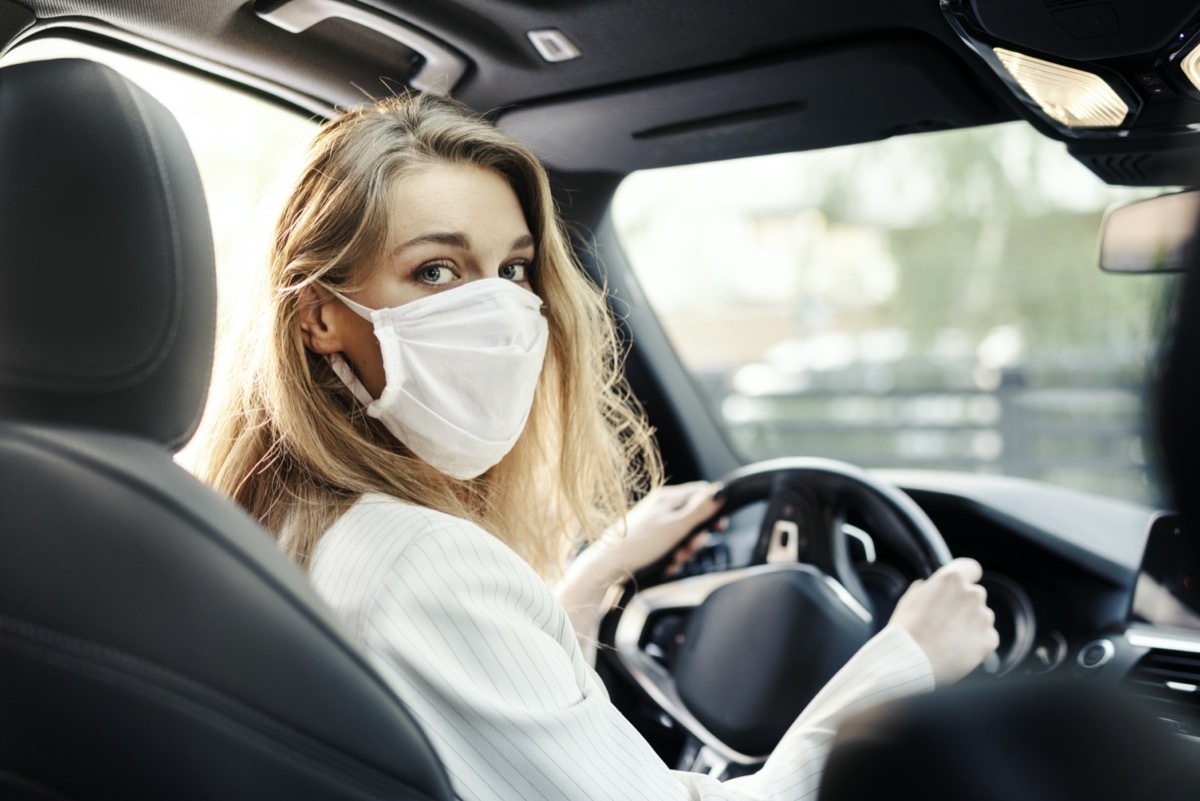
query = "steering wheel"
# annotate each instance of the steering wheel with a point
(735, 656)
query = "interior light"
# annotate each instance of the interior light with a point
(1191, 66)
(1073, 97)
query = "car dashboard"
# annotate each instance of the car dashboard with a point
(1102, 590)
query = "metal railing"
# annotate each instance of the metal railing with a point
(1083, 429)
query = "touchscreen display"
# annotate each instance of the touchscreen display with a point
(1168, 585)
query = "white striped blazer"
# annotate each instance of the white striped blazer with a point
(484, 655)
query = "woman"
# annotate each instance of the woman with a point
(434, 419)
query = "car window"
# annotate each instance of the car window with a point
(245, 148)
(929, 301)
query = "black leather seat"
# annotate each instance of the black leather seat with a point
(153, 642)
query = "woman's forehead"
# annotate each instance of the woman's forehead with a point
(455, 205)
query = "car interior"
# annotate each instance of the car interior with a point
(155, 641)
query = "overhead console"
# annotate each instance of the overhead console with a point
(834, 95)
(1118, 80)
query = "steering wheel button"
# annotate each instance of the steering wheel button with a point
(785, 542)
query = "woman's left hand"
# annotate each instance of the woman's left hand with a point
(654, 526)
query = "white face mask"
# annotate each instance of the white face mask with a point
(460, 367)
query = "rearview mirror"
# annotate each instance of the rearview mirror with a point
(1150, 236)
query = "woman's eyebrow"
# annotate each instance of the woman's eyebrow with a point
(457, 240)
(453, 239)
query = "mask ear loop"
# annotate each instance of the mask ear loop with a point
(343, 371)
(359, 309)
(340, 367)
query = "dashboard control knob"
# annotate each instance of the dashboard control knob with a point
(1095, 654)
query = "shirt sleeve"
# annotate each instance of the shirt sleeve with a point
(485, 657)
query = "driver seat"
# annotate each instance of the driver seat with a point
(153, 641)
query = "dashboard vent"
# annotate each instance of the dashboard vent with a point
(1169, 677)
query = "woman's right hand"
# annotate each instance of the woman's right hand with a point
(947, 616)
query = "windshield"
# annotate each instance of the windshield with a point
(930, 301)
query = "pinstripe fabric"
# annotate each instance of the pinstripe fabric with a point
(484, 655)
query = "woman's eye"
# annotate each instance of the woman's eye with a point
(435, 274)
(516, 271)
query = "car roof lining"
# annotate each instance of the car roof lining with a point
(766, 106)
(628, 46)
(625, 43)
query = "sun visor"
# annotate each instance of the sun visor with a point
(832, 96)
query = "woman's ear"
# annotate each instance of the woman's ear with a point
(319, 320)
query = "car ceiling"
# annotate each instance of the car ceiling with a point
(659, 81)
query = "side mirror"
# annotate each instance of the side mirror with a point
(1150, 236)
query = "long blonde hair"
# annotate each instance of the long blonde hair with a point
(291, 445)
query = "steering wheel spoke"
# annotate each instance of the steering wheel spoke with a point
(806, 522)
(791, 529)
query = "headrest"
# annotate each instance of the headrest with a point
(107, 285)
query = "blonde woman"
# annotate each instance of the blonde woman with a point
(432, 418)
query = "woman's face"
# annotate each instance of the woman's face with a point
(450, 224)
